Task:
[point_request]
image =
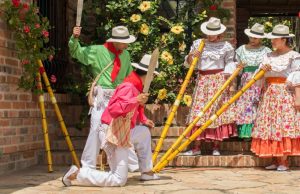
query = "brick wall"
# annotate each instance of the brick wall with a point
(21, 137)
(231, 24)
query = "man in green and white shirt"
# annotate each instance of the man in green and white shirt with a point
(98, 57)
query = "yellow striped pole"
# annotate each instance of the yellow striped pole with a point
(195, 121)
(176, 104)
(162, 164)
(44, 121)
(58, 114)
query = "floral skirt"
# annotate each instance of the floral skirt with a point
(276, 131)
(224, 126)
(246, 107)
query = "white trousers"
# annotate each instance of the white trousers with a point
(96, 136)
(117, 176)
(140, 155)
(120, 160)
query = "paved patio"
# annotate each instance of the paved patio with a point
(181, 180)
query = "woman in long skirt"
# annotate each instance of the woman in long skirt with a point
(251, 55)
(276, 131)
(213, 68)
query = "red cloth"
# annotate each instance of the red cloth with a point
(117, 61)
(124, 100)
(135, 80)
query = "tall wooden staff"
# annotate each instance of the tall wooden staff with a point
(206, 107)
(176, 104)
(58, 114)
(163, 163)
(44, 121)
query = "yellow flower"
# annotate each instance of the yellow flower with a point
(135, 18)
(187, 99)
(166, 56)
(269, 24)
(144, 29)
(144, 6)
(171, 62)
(162, 94)
(164, 38)
(177, 29)
(182, 47)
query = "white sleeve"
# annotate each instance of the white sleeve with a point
(294, 75)
(230, 65)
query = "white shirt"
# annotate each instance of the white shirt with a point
(217, 55)
(286, 65)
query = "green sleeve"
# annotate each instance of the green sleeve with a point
(82, 54)
(129, 66)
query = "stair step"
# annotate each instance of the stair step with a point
(249, 160)
(61, 144)
(172, 131)
(230, 160)
(73, 132)
(231, 145)
(63, 158)
(60, 158)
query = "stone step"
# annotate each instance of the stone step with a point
(172, 131)
(73, 132)
(65, 158)
(155, 132)
(60, 158)
(61, 144)
(231, 145)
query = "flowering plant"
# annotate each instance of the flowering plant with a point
(270, 22)
(214, 8)
(31, 33)
(152, 30)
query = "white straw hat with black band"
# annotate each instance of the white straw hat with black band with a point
(121, 34)
(256, 31)
(280, 31)
(213, 27)
(144, 64)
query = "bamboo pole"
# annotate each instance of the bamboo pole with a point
(44, 122)
(176, 104)
(58, 114)
(162, 164)
(203, 111)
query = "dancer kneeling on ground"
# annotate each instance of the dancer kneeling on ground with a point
(125, 108)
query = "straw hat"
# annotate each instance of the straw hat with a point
(144, 63)
(280, 31)
(213, 27)
(256, 31)
(121, 34)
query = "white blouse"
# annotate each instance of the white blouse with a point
(218, 55)
(251, 57)
(286, 65)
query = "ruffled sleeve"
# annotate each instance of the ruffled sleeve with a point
(294, 74)
(230, 65)
(238, 53)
